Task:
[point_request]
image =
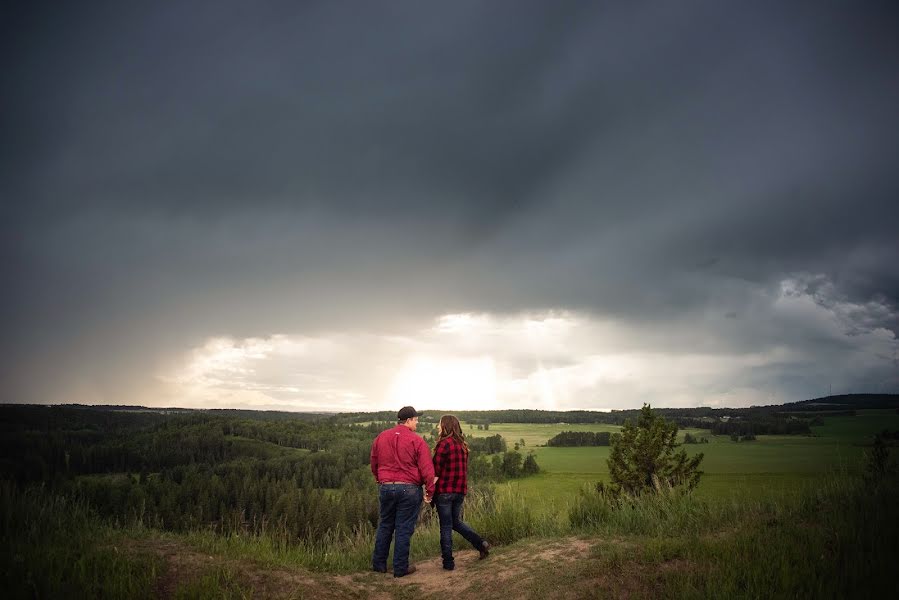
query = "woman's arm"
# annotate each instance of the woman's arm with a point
(440, 458)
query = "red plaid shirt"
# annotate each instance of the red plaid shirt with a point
(451, 467)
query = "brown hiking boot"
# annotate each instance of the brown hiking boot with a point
(409, 571)
(484, 550)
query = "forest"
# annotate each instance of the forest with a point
(298, 474)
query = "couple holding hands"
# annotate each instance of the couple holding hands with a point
(402, 463)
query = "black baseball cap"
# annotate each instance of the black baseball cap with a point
(407, 412)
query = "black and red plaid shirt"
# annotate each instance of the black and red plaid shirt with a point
(451, 467)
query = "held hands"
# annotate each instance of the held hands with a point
(428, 496)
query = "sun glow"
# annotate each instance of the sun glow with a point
(446, 383)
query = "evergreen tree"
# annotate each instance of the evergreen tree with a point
(511, 465)
(643, 457)
(530, 465)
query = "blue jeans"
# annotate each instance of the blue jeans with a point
(400, 503)
(449, 509)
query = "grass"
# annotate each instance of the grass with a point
(780, 517)
(836, 539)
(55, 547)
(499, 515)
(534, 434)
(767, 467)
(218, 584)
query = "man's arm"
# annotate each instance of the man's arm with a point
(426, 467)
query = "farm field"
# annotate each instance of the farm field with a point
(770, 466)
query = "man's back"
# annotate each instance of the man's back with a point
(399, 454)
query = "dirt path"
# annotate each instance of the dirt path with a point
(503, 565)
(511, 571)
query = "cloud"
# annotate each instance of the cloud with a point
(552, 361)
(174, 175)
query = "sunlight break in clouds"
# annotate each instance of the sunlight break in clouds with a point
(557, 360)
(460, 383)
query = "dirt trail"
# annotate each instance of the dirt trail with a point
(472, 574)
(509, 570)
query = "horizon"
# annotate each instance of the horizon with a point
(548, 207)
(425, 411)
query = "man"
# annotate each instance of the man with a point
(401, 463)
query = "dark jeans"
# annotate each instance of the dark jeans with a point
(449, 509)
(400, 503)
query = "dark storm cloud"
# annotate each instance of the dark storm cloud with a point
(175, 172)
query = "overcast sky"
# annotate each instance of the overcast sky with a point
(359, 205)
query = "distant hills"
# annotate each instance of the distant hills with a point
(822, 405)
(847, 401)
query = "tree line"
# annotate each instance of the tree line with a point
(787, 419)
(228, 472)
(580, 438)
(740, 427)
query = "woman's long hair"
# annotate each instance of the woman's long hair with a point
(450, 428)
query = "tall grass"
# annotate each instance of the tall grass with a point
(668, 512)
(673, 511)
(502, 516)
(56, 547)
(499, 515)
(837, 539)
(840, 540)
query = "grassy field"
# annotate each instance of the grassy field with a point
(534, 434)
(783, 516)
(766, 468)
(839, 540)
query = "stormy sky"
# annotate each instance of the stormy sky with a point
(360, 205)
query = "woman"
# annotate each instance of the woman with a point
(451, 469)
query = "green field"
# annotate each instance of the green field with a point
(534, 434)
(771, 465)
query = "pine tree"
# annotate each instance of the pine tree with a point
(643, 457)
(530, 465)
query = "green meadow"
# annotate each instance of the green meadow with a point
(534, 434)
(770, 466)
